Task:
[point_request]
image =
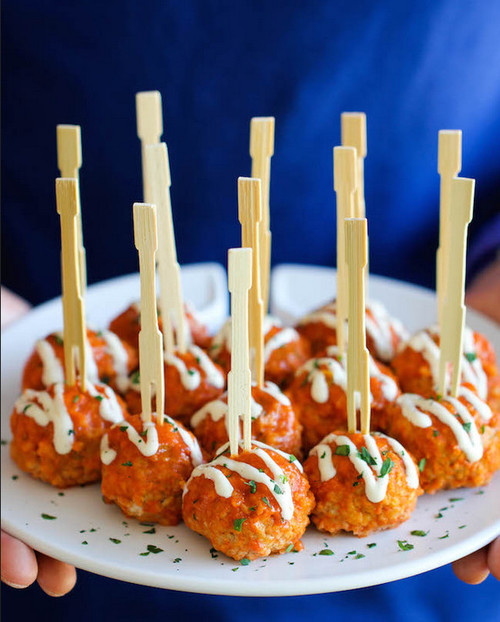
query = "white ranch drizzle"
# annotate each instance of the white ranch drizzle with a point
(325, 464)
(52, 410)
(472, 373)
(187, 307)
(378, 327)
(148, 443)
(118, 353)
(53, 371)
(92, 371)
(281, 338)
(191, 378)
(375, 484)
(109, 408)
(217, 409)
(415, 408)
(320, 390)
(279, 482)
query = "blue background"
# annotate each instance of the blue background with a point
(413, 67)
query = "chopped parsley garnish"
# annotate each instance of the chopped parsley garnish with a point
(127, 464)
(446, 535)
(277, 489)
(245, 561)
(238, 523)
(480, 492)
(253, 486)
(439, 515)
(316, 364)
(24, 410)
(154, 549)
(123, 428)
(462, 526)
(292, 458)
(366, 457)
(106, 379)
(191, 372)
(421, 464)
(435, 433)
(61, 494)
(14, 477)
(176, 560)
(252, 509)
(467, 426)
(115, 540)
(266, 501)
(213, 553)
(235, 569)
(135, 379)
(419, 533)
(323, 455)
(85, 542)
(150, 531)
(58, 340)
(404, 545)
(144, 433)
(471, 356)
(343, 450)
(70, 432)
(371, 545)
(386, 467)
(48, 517)
(75, 399)
(352, 553)
(289, 548)
(355, 484)
(147, 524)
(454, 499)
(326, 552)
(483, 428)
(99, 398)
(359, 556)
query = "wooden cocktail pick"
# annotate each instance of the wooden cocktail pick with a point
(250, 216)
(358, 377)
(171, 299)
(344, 178)
(261, 151)
(73, 301)
(150, 338)
(353, 132)
(452, 326)
(69, 162)
(449, 166)
(149, 127)
(239, 378)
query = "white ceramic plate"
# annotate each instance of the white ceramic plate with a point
(185, 562)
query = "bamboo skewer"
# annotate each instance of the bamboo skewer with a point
(344, 176)
(261, 151)
(449, 166)
(239, 378)
(150, 338)
(358, 377)
(171, 299)
(250, 216)
(353, 132)
(453, 308)
(69, 162)
(149, 128)
(73, 301)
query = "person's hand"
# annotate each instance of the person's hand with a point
(484, 296)
(21, 565)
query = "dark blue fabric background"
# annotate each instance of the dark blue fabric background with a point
(413, 67)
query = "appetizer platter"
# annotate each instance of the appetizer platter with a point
(351, 448)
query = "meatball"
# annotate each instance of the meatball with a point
(249, 505)
(417, 363)
(284, 350)
(318, 395)
(361, 483)
(455, 441)
(191, 380)
(127, 326)
(110, 360)
(145, 467)
(57, 432)
(273, 421)
(383, 332)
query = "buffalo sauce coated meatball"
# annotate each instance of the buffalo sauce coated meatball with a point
(455, 441)
(111, 362)
(284, 350)
(361, 483)
(273, 421)
(417, 364)
(145, 467)
(191, 380)
(383, 332)
(318, 395)
(127, 326)
(57, 432)
(249, 505)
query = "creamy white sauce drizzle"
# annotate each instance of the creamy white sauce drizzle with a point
(53, 409)
(148, 443)
(375, 485)
(378, 327)
(217, 409)
(278, 482)
(187, 307)
(118, 353)
(109, 408)
(191, 378)
(416, 409)
(473, 373)
(52, 370)
(280, 339)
